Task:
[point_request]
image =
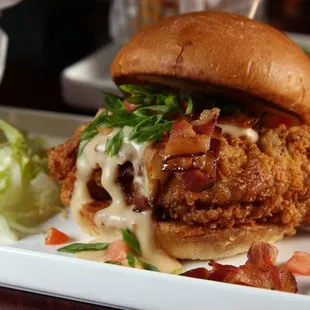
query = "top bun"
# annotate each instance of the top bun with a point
(221, 53)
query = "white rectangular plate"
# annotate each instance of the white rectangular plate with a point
(30, 265)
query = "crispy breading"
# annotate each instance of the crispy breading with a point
(62, 158)
(67, 188)
(268, 181)
(264, 182)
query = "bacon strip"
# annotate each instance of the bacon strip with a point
(204, 162)
(207, 121)
(196, 180)
(262, 253)
(193, 150)
(259, 271)
(198, 273)
(262, 276)
(184, 141)
(200, 180)
(157, 177)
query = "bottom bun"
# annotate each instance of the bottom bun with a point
(200, 243)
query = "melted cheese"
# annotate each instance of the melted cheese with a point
(118, 215)
(236, 131)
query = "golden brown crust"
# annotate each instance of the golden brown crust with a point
(199, 243)
(256, 183)
(219, 52)
(196, 242)
(62, 158)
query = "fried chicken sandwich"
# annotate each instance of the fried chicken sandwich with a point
(208, 150)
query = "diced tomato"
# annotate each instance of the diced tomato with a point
(299, 263)
(130, 106)
(55, 237)
(117, 251)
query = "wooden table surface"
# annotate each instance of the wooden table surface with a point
(11, 299)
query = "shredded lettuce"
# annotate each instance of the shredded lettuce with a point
(28, 196)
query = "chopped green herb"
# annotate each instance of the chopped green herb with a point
(81, 247)
(177, 271)
(190, 105)
(142, 90)
(131, 241)
(172, 103)
(90, 131)
(149, 121)
(148, 266)
(114, 144)
(113, 103)
(158, 108)
(132, 89)
(135, 99)
(131, 260)
(82, 145)
(137, 129)
(227, 107)
(153, 133)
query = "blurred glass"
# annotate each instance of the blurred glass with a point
(8, 3)
(127, 17)
(289, 15)
(3, 36)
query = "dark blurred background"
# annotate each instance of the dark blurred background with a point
(45, 36)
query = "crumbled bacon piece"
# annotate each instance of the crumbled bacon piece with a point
(198, 273)
(258, 271)
(207, 121)
(193, 151)
(199, 180)
(181, 163)
(204, 162)
(217, 132)
(262, 253)
(196, 180)
(262, 276)
(184, 141)
(153, 162)
(182, 127)
(222, 273)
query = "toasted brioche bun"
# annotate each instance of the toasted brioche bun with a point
(199, 243)
(196, 242)
(219, 53)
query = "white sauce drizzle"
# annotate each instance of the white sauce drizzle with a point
(118, 215)
(236, 131)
